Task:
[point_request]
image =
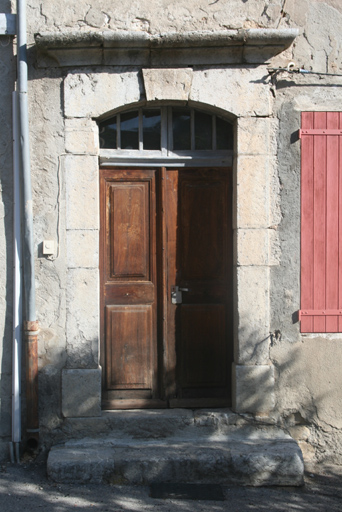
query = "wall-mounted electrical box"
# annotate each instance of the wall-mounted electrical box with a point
(48, 247)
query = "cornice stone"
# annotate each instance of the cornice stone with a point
(250, 46)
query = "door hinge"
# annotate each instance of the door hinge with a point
(319, 131)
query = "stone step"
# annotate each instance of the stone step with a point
(245, 456)
(152, 424)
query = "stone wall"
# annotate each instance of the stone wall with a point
(298, 377)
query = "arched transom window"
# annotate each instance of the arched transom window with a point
(168, 131)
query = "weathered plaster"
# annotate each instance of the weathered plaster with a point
(301, 374)
(154, 18)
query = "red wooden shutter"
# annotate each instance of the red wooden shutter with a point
(321, 222)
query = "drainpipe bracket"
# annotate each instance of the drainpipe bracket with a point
(31, 327)
(8, 24)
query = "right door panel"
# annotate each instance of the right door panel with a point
(199, 263)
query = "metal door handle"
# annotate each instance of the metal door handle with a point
(176, 294)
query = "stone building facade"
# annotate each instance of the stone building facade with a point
(90, 62)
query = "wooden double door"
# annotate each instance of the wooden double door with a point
(166, 287)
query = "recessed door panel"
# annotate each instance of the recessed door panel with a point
(129, 224)
(130, 331)
(201, 210)
(202, 346)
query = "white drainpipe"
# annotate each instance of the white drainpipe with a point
(22, 193)
(17, 292)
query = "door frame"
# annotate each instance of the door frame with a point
(161, 283)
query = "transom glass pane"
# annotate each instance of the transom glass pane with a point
(181, 129)
(144, 129)
(108, 132)
(203, 130)
(129, 125)
(224, 134)
(151, 129)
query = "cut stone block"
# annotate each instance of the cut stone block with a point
(252, 180)
(276, 463)
(83, 248)
(239, 91)
(253, 389)
(252, 247)
(167, 84)
(252, 316)
(83, 318)
(81, 176)
(81, 393)
(81, 136)
(91, 465)
(91, 94)
(258, 247)
(257, 136)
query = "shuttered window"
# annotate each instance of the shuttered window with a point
(321, 222)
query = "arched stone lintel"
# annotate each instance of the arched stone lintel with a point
(241, 92)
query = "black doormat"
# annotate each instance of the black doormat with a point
(165, 491)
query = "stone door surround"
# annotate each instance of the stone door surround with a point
(238, 92)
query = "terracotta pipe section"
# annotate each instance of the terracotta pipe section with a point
(32, 426)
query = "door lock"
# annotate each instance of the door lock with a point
(176, 294)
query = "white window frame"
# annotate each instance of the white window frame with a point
(166, 155)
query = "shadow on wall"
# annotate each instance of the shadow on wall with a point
(308, 384)
(305, 396)
(295, 404)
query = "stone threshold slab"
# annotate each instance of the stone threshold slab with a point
(257, 461)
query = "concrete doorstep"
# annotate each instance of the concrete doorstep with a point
(199, 452)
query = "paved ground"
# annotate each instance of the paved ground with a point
(25, 488)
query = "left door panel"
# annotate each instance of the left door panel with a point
(129, 288)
